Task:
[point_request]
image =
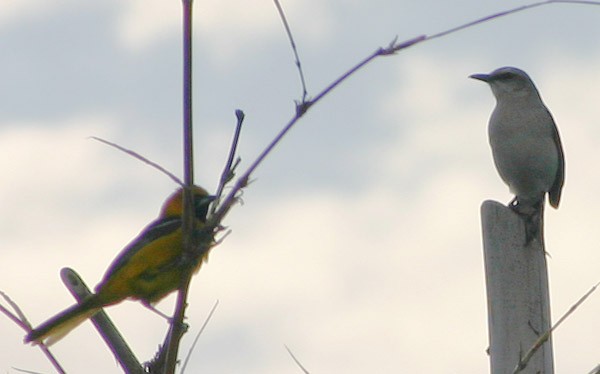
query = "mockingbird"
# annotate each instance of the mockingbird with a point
(526, 146)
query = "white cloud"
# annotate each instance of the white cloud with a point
(143, 22)
(13, 10)
(230, 29)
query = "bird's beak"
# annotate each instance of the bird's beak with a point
(481, 77)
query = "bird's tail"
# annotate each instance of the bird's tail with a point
(61, 324)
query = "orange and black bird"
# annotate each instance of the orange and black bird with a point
(148, 269)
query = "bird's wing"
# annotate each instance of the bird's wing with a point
(157, 229)
(556, 189)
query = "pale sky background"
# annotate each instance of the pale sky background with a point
(358, 244)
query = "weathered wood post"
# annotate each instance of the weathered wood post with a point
(517, 292)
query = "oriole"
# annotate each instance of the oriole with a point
(148, 269)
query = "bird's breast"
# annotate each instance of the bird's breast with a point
(524, 149)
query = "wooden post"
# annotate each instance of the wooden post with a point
(517, 292)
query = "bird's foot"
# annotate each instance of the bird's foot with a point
(523, 209)
(531, 217)
(169, 319)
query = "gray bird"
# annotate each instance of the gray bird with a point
(525, 145)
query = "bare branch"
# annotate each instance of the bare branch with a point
(544, 337)
(198, 336)
(141, 158)
(112, 337)
(26, 371)
(22, 322)
(294, 49)
(19, 318)
(176, 329)
(296, 360)
(507, 12)
(595, 370)
(228, 172)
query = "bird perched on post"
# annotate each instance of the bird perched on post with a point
(148, 269)
(525, 145)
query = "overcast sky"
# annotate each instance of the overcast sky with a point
(358, 244)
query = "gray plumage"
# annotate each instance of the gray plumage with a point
(525, 145)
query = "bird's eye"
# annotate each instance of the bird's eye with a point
(201, 206)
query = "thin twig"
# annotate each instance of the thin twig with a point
(19, 318)
(52, 359)
(187, 358)
(296, 360)
(507, 12)
(544, 337)
(26, 371)
(595, 370)
(228, 171)
(141, 158)
(294, 49)
(188, 128)
(14, 318)
(176, 329)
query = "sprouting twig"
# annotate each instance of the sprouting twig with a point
(230, 166)
(296, 360)
(544, 337)
(507, 12)
(185, 362)
(25, 371)
(294, 49)
(141, 158)
(14, 318)
(19, 318)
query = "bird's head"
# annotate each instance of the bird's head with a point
(173, 206)
(508, 82)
